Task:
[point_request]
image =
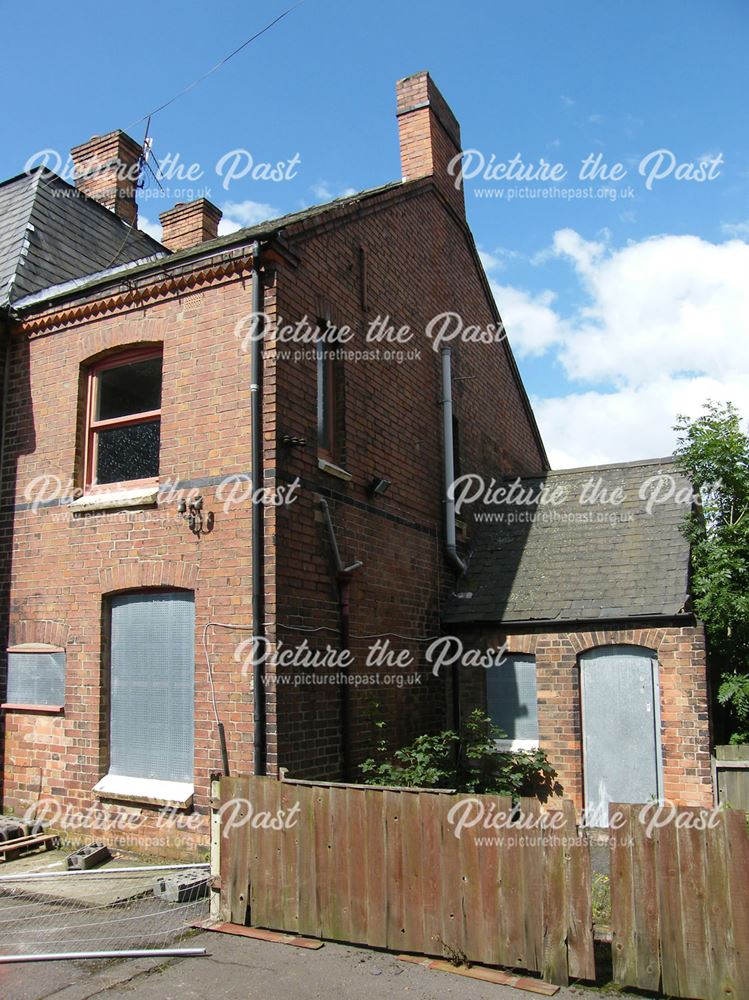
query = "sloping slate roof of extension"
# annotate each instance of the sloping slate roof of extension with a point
(562, 562)
(50, 233)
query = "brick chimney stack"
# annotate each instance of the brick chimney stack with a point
(429, 136)
(106, 169)
(188, 224)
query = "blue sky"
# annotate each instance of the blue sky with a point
(621, 312)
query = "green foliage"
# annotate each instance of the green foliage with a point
(471, 764)
(714, 452)
(601, 898)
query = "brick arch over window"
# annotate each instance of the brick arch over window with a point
(39, 630)
(139, 575)
(646, 638)
(105, 337)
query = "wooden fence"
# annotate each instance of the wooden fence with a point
(731, 769)
(680, 902)
(383, 867)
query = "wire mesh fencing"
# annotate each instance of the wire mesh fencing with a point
(101, 911)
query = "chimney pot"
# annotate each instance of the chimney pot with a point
(106, 169)
(190, 223)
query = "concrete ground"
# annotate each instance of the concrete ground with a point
(243, 969)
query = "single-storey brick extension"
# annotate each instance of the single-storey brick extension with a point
(146, 412)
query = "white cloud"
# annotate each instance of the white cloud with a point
(664, 326)
(150, 228)
(239, 214)
(324, 191)
(740, 230)
(532, 324)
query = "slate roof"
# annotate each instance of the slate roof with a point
(50, 233)
(573, 561)
(240, 237)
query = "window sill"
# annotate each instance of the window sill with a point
(177, 794)
(333, 470)
(510, 746)
(139, 496)
(10, 706)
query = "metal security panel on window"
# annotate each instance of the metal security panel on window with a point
(36, 678)
(511, 700)
(152, 663)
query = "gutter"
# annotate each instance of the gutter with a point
(259, 727)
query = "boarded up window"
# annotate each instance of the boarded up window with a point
(152, 690)
(511, 697)
(36, 678)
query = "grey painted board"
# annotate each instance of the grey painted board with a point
(36, 678)
(153, 677)
(621, 728)
(511, 696)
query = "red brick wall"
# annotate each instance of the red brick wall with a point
(64, 565)
(685, 734)
(419, 262)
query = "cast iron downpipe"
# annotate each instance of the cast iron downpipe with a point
(259, 754)
(448, 460)
(343, 578)
(448, 465)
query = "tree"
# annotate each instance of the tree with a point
(713, 451)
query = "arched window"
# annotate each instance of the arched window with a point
(123, 417)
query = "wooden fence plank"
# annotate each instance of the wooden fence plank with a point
(533, 863)
(621, 883)
(470, 892)
(512, 896)
(290, 802)
(309, 920)
(738, 880)
(673, 957)
(554, 905)
(267, 909)
(413, 890)
(722, 951)
(356, 859)
(226, 852)
(239, 803)
(490, 852)
(396, 903)
(325, 862)
(503, 832)
(434, 828)
(340, 911)
(451, 938)
(635, 900)
(579, 890)
(692, 887)
(376, 872)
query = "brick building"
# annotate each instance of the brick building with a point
(137, 561)
(581, 581)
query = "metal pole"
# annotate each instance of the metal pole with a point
(76, 955)
(102, 871)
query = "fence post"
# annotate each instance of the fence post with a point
(216, 887)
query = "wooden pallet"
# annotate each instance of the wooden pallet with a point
(12, 849)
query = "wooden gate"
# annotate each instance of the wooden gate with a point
(384, 867)
(680, 901)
